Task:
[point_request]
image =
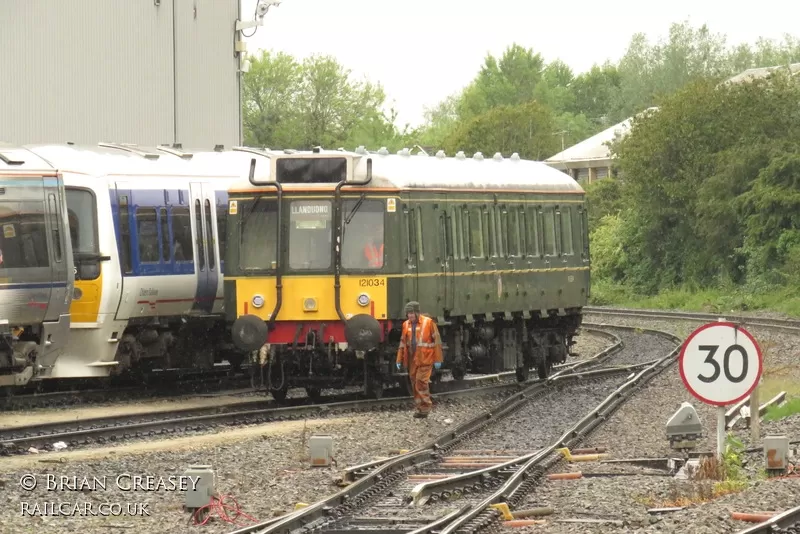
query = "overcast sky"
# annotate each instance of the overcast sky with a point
(423, 50)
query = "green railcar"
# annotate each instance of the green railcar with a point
(496, 250)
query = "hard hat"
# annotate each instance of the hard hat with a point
(412, 307)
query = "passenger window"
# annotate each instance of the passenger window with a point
(512, 234)
(212, 263)
(549, 231)
(198, 221)
(476, 232)
(418, 229)
(566, 232)
(55, 226)
(164, 225)
(147, 234)
(125, 234)
(182, 234)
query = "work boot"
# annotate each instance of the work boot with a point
(420, 415)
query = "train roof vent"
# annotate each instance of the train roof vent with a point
(440, 154)
(404, 152)
(176, 150)
(10, 160)
(514, 157)
(477, 156)
(219, 148)
(497, 156)
(383, 151)
(361, 150)
(460, 155)
(133, 149)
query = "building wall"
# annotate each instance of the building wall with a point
(128, 71)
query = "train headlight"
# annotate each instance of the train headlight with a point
(258, 301)
(363, 299)
(309, 304)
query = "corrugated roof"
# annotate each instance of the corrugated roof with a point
(762, 72)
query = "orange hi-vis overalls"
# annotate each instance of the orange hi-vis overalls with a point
(374, 255)
(420, 361)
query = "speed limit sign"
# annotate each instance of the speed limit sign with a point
(720, 363)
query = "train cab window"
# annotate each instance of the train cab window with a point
(23, 240)
(476, 232)
(362, 234)
(566, 232)
(163, 223)
(310, 234)
(55, 226)
(212, 260)
(182, 234)
(147, 234)
(258, 246)
(549, 231)
(82, 220)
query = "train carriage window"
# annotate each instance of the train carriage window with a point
(198, 223)
(212, 259)
(363, 234)
(566, 232)
(532, 232)
(23, 240)
(584, 230)
(476, 233)
(163, 223)
(125, 235)
(512, 234)
(222, 228)
(310, 234)
(418, 231)
(147, 235)
(82, 221)
(55, 226)
(549, 231)
(182, 234)
(258, 246)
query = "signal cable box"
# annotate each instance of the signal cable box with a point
(320, 450)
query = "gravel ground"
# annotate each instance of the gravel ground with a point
(265, 468)
(638, 429)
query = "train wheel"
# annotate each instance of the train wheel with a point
(279, 394)
(523, 373)
(543, 368)
(315, 394)
(458, 372)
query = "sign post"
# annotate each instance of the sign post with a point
(720, 364)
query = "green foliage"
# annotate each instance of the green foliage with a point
(776, 413)
(732, 458)
(524, 129)
(315, 102)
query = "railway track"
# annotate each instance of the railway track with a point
(787, 522)
(118, 428)
(789, 325)
(450, 484)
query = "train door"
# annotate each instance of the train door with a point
(123, 216)
(204, 243)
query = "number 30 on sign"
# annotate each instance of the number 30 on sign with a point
(720, 363)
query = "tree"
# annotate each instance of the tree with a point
(269, 90)
(597, 95)
(525, 128)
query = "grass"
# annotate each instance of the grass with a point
(785, 301)
(774, 413)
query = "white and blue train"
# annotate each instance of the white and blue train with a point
(148, 232)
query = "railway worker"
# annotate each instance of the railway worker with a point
(373, 250)
(420, 350)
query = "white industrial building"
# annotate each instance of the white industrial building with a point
(147, 72)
